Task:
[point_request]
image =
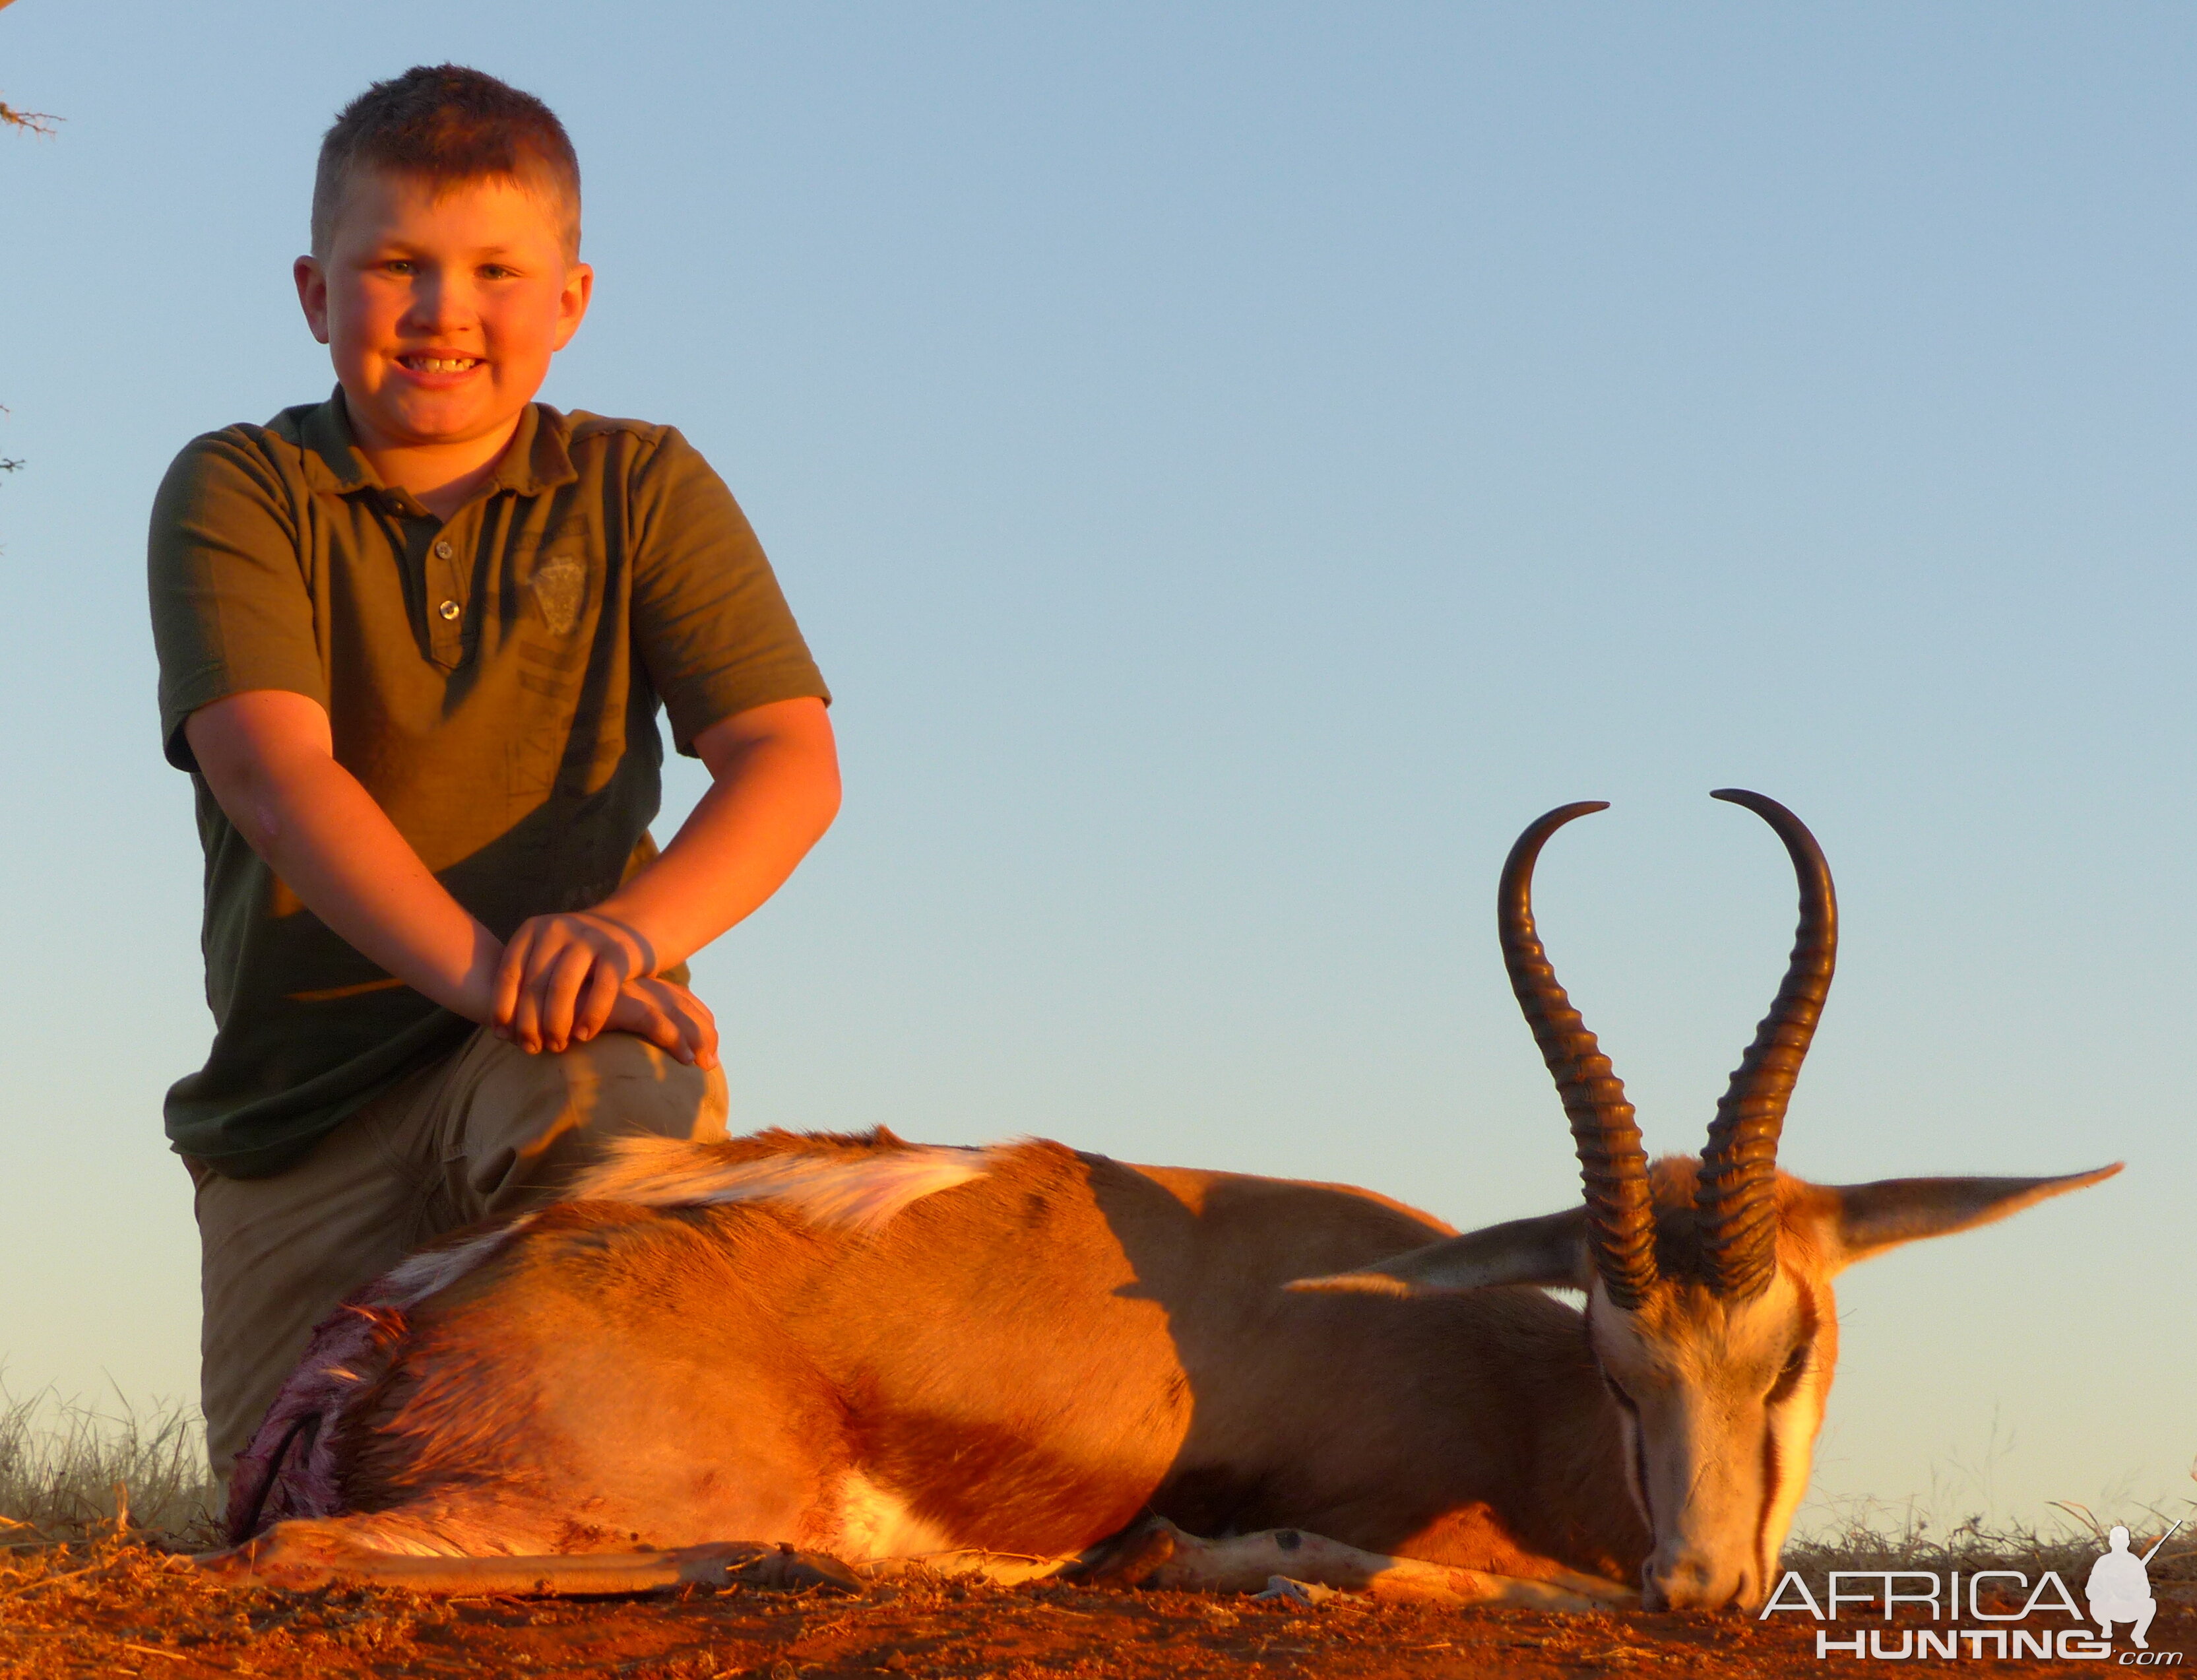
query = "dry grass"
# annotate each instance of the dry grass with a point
(69, 1471)
(91, 1584)
(1873, 1536)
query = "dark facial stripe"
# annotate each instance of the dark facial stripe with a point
(1640, 1475)
(1769, 1490)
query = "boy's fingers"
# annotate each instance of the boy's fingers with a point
(595, 1004)
(558, 989)
(663, 1020)
(526, 1015)
(663, 1033)
(509, 972)
(635, 1012)
(674, 1042)
(693, 1010)
(698, 1026)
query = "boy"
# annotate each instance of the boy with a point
(412, 641)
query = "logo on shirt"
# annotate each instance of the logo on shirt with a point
(559, 585)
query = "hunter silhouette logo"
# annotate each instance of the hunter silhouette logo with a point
(2118, 1589)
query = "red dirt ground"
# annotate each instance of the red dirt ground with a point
(129, 1609)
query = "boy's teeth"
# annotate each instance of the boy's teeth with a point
(440, 364)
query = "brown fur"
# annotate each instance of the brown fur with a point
(1022, 1361)
(617, 1375)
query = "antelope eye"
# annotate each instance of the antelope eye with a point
(1795, 1363)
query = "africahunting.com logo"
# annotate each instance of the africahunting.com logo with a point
(2118, 1593)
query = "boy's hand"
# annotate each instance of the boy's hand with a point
(670, 1017)
(774, 787)
(558, 983)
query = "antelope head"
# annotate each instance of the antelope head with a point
(1707, 1281)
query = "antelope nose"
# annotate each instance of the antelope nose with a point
(1695, 1584)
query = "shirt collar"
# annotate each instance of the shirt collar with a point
(332, 462)
(538, 459)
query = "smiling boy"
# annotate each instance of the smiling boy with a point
(412, 644)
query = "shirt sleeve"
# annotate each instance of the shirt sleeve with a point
(709, 619)
(226, 571)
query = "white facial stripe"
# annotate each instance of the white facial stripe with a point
(1724, 1468)
(1601, 1316)
(1793, 1425)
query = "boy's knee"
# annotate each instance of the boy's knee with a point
(530, 1122)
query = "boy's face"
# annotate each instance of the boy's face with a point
(441, 305)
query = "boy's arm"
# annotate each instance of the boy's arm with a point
(774, 789)
(269, 757)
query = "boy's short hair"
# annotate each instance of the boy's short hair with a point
(447, 123)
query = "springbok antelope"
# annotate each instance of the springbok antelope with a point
(880, 1351)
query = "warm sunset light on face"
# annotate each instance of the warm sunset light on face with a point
(440, 307)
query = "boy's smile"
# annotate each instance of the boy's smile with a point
(441, 305)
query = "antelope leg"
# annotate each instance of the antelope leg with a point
(314, 1559)
(1246, 1562)
(999, 1569)
(306, 1554)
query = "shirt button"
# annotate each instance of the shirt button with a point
(449, 609)
(442, 552)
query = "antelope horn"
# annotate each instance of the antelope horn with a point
(1613, 1166)
(1736, 1201)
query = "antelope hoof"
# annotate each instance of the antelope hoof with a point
(1130, 1559)
(782, 1569)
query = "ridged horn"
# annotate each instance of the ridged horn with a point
(1736, 1201)
(1613, 1166)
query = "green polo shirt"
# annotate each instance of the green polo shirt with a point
(493, 680)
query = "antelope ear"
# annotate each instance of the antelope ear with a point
(1866, 1220)
(1550, 1250)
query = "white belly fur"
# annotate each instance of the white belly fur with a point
(875, 1524)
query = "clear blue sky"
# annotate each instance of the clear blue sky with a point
(1237, 466)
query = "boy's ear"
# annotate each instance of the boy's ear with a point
(312, 294)
(572, 302)
(1859, 1221)
(1551, 1251)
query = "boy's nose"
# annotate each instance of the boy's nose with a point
(437, 303)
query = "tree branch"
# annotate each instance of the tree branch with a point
(37, 122)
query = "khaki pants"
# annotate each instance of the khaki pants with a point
(490, 1130)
